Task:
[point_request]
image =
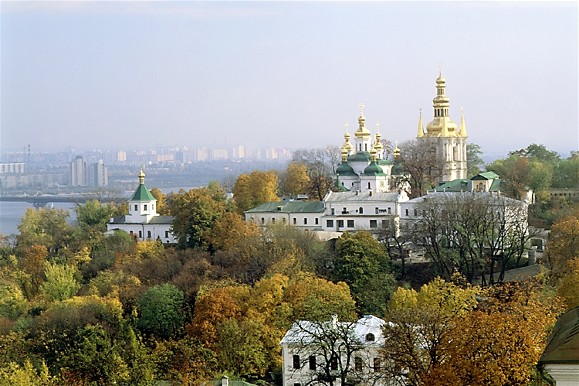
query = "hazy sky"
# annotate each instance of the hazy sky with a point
(284, 74)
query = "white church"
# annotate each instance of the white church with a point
(143, 222)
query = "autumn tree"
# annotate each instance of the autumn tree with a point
(243, 325)
(33, 263)
(362, 262)
(321, 168)
(229, 231)
(418, 326)
(423, 165)
(195, 213)
(295, 180)
(254, 189)
(563, 245)
(488, 346)
(161, 207)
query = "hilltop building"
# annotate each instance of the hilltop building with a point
(143, 221)
(450, 141)
(367, 195)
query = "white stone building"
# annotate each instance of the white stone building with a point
(313, 352)
(143, 221)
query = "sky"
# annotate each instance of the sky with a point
(100, 75)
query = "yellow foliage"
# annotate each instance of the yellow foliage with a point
(568, 288)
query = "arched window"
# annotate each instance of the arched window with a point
(370, 337)
(361, 210)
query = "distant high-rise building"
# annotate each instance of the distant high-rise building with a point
(121, 156)
(219, 154)
(201, 154)
(98, 174)
(78, 172)
(239, 152)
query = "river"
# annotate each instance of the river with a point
(11, 213)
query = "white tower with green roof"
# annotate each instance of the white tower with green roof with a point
(142, 206)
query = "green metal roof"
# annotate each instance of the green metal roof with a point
(485, 176)
(458, 185)
(289, 207)
(496, 185)
(563, 346)
(142, 194)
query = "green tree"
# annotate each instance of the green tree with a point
(162, 311)
(47, 227)
(60, 282)
(566, 173)
(362, 262)
(94, 215)
(195, 213)
(474, 159)
(537, 153)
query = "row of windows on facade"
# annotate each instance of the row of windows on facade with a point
(149, 235)
(144, 207)
(382, 184)
(360, 210)
(330, 223)
(312, 363)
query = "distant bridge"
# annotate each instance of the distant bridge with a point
(40, 201)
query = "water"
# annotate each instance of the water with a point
(11, 213)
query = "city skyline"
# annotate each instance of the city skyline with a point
(161, 74)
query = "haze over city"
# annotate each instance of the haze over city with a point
(291, 74)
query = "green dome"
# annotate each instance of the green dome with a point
(362, 156)
(373, 170)
(345, 170)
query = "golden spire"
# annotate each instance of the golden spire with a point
(396, 152)
(420, 133)
(344, 154)
(141, 177)
(462, 132)
(362, 131)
